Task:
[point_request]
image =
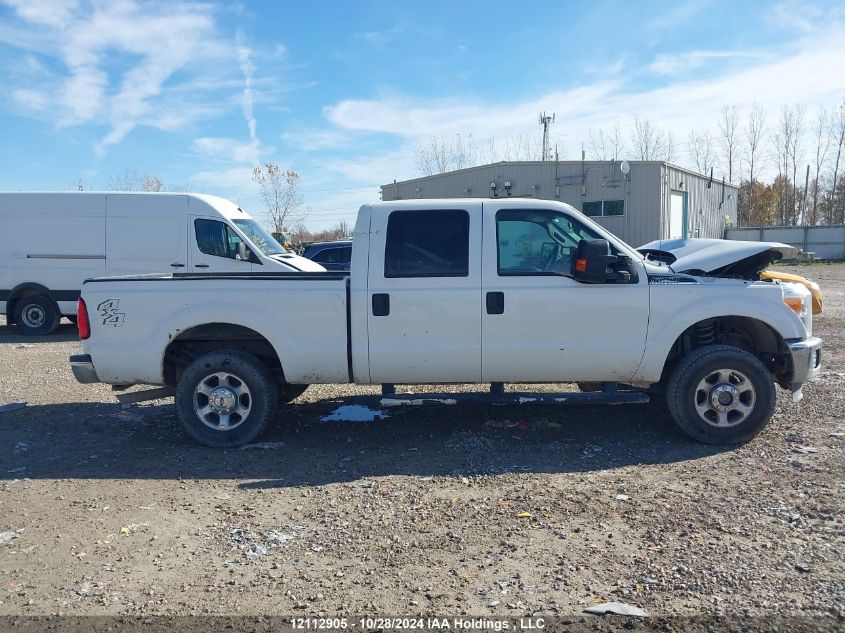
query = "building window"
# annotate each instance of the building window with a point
(427, 244)
(602, 208)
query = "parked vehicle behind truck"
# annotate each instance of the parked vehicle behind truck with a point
(511, 291)
(51, 242)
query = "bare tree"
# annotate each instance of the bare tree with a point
(606, 145)
(823, 138)
(754, 135)
(796, 154)
(440, 155)
(651, 143)
(280, 190)
(838, 131)
(132, 180)
(702, 151)
(729, 130)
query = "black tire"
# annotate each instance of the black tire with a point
(692, 387)
(36, 315)
(246, 371)
(289, 392)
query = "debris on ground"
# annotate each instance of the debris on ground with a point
(6, 537)
(801, 448)
(262, 446)
(616, 608)
(12, 406)
(622, 497)
(354, 413)
(128, 416)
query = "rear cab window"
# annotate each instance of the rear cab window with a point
(431, 243)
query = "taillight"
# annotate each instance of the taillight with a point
(82, 319)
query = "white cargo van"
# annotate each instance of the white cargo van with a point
(51, 242)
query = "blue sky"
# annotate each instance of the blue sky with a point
(342, 92)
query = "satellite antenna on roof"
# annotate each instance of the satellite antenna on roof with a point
(545, 121)
(625, 167)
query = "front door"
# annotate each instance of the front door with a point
(538, 323)
(424, 295)
(214, 247)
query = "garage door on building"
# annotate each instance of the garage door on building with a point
(677, 215)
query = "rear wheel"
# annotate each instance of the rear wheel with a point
(36, 315)
(226, 398)
(720, 394)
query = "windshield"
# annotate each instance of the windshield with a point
(260, 237)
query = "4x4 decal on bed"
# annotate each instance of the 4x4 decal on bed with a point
(110, 314)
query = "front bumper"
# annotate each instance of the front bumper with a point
(806, 360)
(83, 369)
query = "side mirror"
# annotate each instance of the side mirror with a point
(243, 252)
(594, 264)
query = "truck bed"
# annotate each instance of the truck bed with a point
(302, 315)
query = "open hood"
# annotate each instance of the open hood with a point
(717, 258)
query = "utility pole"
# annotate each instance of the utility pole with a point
(546, 121)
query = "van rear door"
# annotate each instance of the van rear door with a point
(145, 234)
(214, 246)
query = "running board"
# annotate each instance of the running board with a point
(525, 397)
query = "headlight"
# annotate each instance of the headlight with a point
(798, 299)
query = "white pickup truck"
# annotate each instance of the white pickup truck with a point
(465, 291)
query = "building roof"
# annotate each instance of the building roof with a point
(568, 163)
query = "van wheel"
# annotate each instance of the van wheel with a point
(289, 392)
(36, 315)
(720, 394)
(226, 398)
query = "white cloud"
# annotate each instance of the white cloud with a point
(157, 40)
(32, 99)
(677, 63)
(809, 71)
(310, 139)
(51, 12)
(228, 149)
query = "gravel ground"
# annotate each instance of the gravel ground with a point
(117, 511)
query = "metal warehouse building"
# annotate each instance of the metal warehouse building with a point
(654, 200)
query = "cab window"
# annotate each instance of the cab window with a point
(216, 238)
(537, 242)
(431, 243)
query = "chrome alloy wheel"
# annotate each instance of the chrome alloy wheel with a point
(222, 401)
(725, 398)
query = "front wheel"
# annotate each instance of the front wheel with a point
(226, 398)
(720, 394)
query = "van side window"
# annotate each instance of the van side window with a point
(341, 255)
(432, 243)
(216, 238)
(537, 242)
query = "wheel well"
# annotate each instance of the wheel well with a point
(196, 341)
(25, 290)
(750, 334)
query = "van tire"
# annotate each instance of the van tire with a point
(692, 395)
(36, 315)
(289, 392)
(243, 390)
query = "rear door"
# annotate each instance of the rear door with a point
(424, 294)
(214, 247)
